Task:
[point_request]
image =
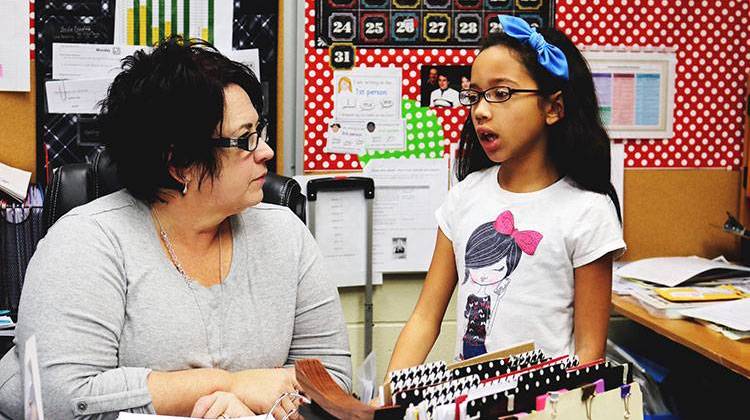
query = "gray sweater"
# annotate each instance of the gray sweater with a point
(107, 307)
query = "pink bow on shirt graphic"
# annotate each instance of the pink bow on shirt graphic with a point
(527, 240)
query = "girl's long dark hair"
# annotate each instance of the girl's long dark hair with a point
(578, 144)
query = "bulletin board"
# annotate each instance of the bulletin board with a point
(393, 60)
(17, 129)
(711, 39)
(69, 138)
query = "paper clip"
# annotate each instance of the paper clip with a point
(625, 395)
(554, 397)
(511, 402)
(587, 397)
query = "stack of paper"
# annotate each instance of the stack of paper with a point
(733, 316)
(14, 182)
(660, 307)
(726, 331)
(647, 295)
(672, 271)
(626, 287)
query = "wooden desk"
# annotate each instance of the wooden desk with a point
(734, 355)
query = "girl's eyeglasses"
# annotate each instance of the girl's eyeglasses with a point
(469, 97)
(249, 141)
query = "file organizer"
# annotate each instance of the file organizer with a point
(524, 384)
(339, 184)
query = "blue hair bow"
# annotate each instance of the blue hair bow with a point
(549, 56)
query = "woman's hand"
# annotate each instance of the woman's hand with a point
(259, 389)
(220, 405)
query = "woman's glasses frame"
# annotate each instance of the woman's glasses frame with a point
(248, 142)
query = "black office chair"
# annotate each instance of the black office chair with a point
(75, 184)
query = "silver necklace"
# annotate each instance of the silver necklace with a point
(190, 283)
(172, 254)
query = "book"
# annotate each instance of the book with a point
(733, 314)
(673, 271)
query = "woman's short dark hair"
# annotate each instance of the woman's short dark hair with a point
(163, 109)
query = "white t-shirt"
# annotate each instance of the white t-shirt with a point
(447, 97)
(515, 255)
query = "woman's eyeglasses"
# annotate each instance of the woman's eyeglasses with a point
(249, 141)
(469, 97)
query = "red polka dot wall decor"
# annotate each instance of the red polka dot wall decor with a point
(712, 44)
(710, 37)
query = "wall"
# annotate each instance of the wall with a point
(393, 302)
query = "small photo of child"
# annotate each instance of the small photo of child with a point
(399, 248)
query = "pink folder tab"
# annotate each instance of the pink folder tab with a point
(541, 400)
(1, 71)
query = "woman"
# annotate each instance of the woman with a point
(179, 294)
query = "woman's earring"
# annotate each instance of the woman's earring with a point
(185, 187)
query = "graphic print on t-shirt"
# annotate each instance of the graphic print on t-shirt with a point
(493, 252)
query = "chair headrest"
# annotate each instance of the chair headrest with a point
(104, 174)
(78, 183)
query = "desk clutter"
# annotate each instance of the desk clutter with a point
(711, 291)
(21, 228)
(527, 384)
(7, 326)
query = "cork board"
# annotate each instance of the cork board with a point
(680, 212)
(18, 128)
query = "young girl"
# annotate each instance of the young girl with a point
(533, 226)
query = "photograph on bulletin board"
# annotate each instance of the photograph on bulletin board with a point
(440, 85)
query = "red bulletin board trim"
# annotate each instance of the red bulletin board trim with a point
(32, 41)
(712, 39)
